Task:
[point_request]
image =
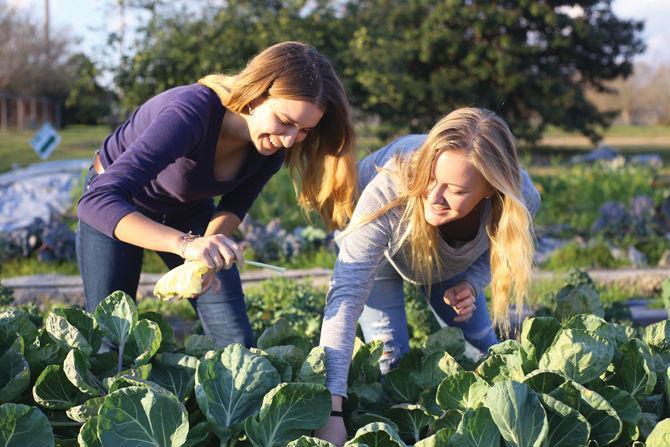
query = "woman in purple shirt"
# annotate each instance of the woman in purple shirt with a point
(153, 181)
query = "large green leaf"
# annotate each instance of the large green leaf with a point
(139, 415)
(461, 391)
(361, 420)
(578, 354)
(581, 299)
(74, 328)
(13, 322)
(364, 366)
(476, 429)
(290, 354)
(85, 411)
(288, 411)
(517, 412)
(42, 353)
(307, 441)
(627, 409)
(376, 434)
(433, 369)
(175, 372)
(313, 369)
(449, 420)
(411, 421)
(200, 435)
(634, 371)
(88, 433)
(283, 367)
(537, 334)
(198, 345)
(593, 324)
(605, 423)
(281, 334)
(544, 380)
(141, 373)
(14, 374)
(567, 427)
(143, 343)
(53, 390)
(229, 385)
(24, 426)
(449, 339)
(504, 362)
(399, 386)
(657, 335)
(660, 436)
(77, 370)
(439, 439)
(167, 334)
(117, 316)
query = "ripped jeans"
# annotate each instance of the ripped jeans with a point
(384, 316)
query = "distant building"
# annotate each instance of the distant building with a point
(21, 112)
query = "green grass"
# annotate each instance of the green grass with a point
(31, 266)
(629, 140)
(77, 142)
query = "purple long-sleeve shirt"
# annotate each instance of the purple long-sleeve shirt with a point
(161, 161)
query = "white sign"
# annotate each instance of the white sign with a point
(45, 141)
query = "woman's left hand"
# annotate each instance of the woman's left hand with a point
(462, 298)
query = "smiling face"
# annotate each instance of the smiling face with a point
(278, 123)
(457, 187)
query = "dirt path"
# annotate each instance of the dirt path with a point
(44, 288)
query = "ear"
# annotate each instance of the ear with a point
(490, 191)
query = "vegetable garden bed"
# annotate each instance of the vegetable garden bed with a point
(572, 379)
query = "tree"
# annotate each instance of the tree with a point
(179, 45)
(25, 65)
(528, 60)
(410, 62)
(87, 101)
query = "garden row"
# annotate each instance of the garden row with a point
(571, 379)
(592, 216)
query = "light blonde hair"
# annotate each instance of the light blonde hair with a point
(322, 166)
(485, 139)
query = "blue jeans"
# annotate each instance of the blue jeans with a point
(108, 264)
(384, 316)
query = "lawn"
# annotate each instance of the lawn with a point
(77, 142)
(630, 140)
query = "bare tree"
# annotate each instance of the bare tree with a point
(27, 64)
(646, 91)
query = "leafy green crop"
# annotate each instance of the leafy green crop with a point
(572, 379)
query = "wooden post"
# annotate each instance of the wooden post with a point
(45, 110)
(3, 114)
(33, 111)
(56, 122)
(20, 118)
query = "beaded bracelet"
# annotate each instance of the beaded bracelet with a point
(186, 238)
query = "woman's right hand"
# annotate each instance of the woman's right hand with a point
(217, 251)
(333, 431)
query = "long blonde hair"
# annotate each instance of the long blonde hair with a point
(485, 139)
(322, 166)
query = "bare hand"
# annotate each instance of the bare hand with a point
(461, 298)
(333, 431)
(217, 251)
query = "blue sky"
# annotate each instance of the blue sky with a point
(91, 20)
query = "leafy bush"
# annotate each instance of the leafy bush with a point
(574, 195)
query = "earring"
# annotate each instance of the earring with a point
(250, 109)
